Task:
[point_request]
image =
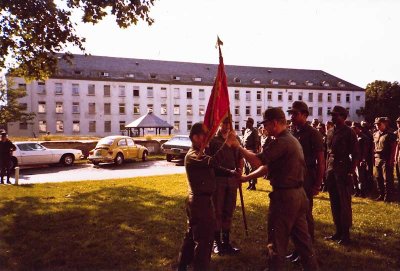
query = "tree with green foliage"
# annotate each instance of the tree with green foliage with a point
(34, 32)
(382, 100)
(10, 108)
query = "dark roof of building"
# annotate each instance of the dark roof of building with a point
(158, 71)
(149, 121)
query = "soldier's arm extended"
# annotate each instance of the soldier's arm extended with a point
(259, 172)
(206, 160)
(248, 155)
(251, 157)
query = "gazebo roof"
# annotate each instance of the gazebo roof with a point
(149, 121)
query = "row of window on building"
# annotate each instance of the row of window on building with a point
(92, 127)
(91, 91)
(189, 93)
(59, 109)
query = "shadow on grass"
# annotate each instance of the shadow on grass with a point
(115, 228)
(131, 228)
(370, 250)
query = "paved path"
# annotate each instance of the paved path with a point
(81, 172)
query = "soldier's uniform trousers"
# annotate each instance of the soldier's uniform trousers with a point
(385, 177)
(224, 199)
(340, 188)
(287, 218)
(360, 180)
(198, 241)
(309, 180)
(5, 170)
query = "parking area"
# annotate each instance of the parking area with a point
(84, 171)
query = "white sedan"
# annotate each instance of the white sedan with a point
(32, 153)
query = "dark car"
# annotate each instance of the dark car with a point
(176, 147)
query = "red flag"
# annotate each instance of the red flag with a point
(218, 105)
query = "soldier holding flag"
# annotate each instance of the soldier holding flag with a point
(199, 167)
(198, 240)
(225, 195)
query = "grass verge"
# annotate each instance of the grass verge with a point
(138, 224)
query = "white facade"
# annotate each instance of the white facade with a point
(70, 107)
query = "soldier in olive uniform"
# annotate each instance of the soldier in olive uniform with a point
(198, 240)
(225, 195)
(283, 160)
(343, 155)
(6, 150)
(251, 142)
(360, 179)
(365, 129)
(385, 146)
(313, 149)
(397, 156)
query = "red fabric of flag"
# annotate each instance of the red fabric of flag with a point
(218, 105)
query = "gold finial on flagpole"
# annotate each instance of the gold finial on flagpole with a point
(219, 42)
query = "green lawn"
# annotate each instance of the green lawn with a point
(138, 224)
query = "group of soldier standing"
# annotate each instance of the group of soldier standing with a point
(299, 160)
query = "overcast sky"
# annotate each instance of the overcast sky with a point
(356, 40)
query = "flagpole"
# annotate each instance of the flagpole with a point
(240, 185)
(236, 160)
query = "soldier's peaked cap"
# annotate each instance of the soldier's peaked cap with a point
(339, 110)
(274, 113)
(299, 106)
(381, 119)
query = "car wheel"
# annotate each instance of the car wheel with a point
(95, 163)
(67, 159)
(144, 156)
(169, 157)
(119, 159)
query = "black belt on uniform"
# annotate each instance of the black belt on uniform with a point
(299, 185)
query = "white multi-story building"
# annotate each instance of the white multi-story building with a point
(98, 95)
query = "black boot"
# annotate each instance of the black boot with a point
(249, 187)
(345, 239)
(218, 247)
(228, 248)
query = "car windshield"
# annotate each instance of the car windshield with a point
(181, 140)
(105, 141)
(30, 147)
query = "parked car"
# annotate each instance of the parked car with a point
(117, 149)
(176, 147)
(33, 153)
